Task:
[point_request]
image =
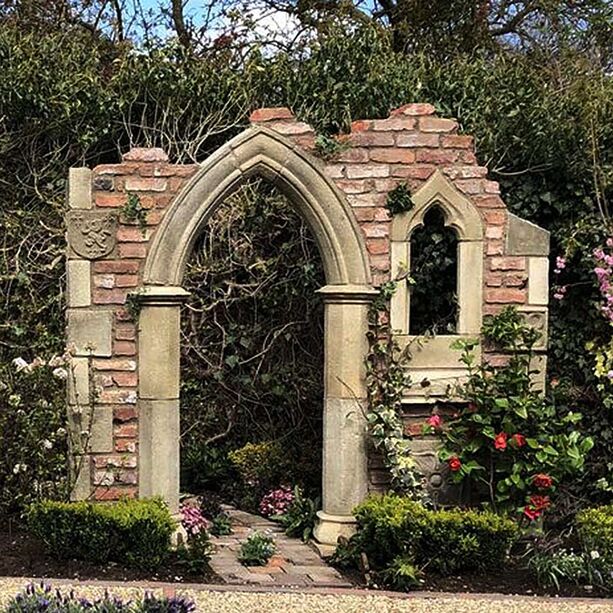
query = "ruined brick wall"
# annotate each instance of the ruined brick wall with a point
(407, 147)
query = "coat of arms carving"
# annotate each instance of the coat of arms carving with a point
(92, 234)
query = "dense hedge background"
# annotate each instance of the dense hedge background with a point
(77, 91)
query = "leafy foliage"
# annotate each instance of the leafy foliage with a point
(221, 525)
(256, 550)
(509, 441)
(399, 200)
(301, 516)
(132, 532)
(253, 351)
(387, 379)
(433, 277)
(33, 435)
(394, 530)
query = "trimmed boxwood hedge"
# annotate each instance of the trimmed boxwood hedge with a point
(134, 533)
(445, 541)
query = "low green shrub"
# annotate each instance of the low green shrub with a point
(391, 527)
(221, 525)
(135, 533)
(595, 529)
(258, 462)
(257, 550)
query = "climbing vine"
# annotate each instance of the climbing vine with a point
(386, 380)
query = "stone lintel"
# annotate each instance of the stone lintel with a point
(348, 293)
(161, 295)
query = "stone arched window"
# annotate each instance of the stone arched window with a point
(435, 360)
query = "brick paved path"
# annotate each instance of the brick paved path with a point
(294, 564)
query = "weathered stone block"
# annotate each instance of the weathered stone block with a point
(538, 280)
(78, 283)
(90, 332)
(79, 188)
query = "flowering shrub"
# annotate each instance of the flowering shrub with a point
(192, 519)
(33, 432)
(196, 553)
(42, 598)
(276, 502)
(508, 442)
(301, 515)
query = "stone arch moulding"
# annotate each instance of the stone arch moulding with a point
(258, 151)
(435, 360)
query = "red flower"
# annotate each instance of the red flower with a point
(531, 513)
(540, 503)
(500, 442)
(542, 481)
(454, 463)
(436, 421)
(518, 440)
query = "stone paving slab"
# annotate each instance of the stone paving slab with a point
(294, 564)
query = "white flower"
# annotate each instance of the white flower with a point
(20, 364)
(60, 432)
(594, 555)
(47, 444)
(20, 468)
(60, 373)
(56, 361)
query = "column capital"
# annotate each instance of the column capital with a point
(357, 294)
(161, 295)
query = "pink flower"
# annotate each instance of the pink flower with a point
(192, 519)
(276, 502)
(560, 264)
(436, 421)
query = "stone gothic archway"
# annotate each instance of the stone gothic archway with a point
(258, 151)
(131, 417)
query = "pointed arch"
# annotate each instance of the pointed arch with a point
(464, 217)
(347, 295)
(460, 213)
(258, 151)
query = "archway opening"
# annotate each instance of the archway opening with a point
(434, 276)
(252, 352)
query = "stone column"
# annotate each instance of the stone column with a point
(345, 470)
(158, 404)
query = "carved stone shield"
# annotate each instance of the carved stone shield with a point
(92, 234)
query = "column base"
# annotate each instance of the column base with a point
(330, 527)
